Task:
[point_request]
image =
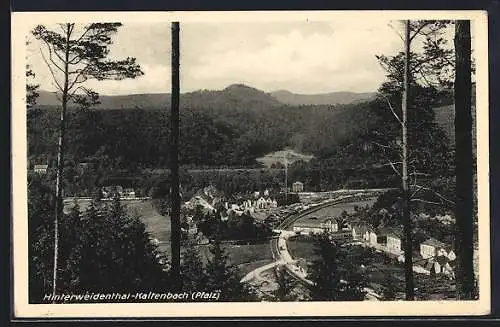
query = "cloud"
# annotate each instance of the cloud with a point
(340, 58)
(300, 56)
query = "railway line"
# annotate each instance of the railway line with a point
(289, 220)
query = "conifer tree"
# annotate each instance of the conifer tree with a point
(193, 273)
(223, 277)
(73, 56)
(286, 285)
(335, 273)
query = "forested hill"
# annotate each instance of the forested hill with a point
(232, 127)
(288, 97)
(236, 96)
(211, 136)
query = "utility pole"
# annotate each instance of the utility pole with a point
(463, 161)
(174, 160)
(404, 176)
(286, 181)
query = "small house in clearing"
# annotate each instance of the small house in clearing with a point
(298, 187)
(40, 169)
(129, 193)
(330, 225)
(112, 191)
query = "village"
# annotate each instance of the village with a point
(430, 257)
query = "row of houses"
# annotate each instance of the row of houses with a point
(117, 190)
(43, 168)
(433, 256)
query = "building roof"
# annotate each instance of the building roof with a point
(362, 228)
(390, 231)
(314, 222)
(435, 243)
(442, 260)
(298, 183)
(40, 166)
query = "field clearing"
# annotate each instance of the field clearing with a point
(245, 268)
(246, 257)
(243, 256)
(303, 249)
(334, 211)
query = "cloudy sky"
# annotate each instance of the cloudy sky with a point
(300, 56)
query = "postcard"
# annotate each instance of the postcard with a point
(250, 164)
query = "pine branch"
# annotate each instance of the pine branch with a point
(392, 109)
(51, 71)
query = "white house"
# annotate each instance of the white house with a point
(330, 225)
(129, 193)
(393, 237)
(260, 203)
(434, 248)
(358, 231)
(298, 187)
(266, 192)
(308, 228)
(442, 266)
(394, 244)
(371, 236)
(40, 169)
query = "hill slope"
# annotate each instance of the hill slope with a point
(290, 98)
(234, 96)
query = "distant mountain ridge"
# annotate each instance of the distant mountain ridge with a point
(236, 95)
(332, 98)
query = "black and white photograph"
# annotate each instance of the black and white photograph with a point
(250, 164)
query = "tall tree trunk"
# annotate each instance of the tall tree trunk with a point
(58, 206)
(175, 196)
(404, 175)
(463, 161)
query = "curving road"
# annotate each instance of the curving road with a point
(282, 256)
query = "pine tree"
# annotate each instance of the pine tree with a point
(73, 57)
(193, 273)
(286, 285)
(223, 277)
(335, 273)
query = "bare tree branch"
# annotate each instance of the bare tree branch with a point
(397, 32)
(424, 201)
(51, 71)
(438, 194)
(81, 73)
(381, 145)
(418, 30)
(392, 109)
(50, 56)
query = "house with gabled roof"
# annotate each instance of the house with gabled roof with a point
(392, 237)
(330, 225)
(434, 248)
(358, 230)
